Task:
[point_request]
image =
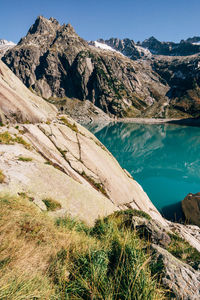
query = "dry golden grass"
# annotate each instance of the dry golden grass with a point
(29, 241)
(37, 255)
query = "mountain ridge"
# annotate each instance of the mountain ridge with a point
(56, 63)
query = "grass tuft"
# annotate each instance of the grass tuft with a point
(6, 138)
(52, 204)
(71, 126)
(26, 159)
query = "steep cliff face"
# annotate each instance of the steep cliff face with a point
(182, 74)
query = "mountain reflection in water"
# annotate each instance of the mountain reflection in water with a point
(164, 159)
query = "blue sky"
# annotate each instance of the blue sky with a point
(169, 20)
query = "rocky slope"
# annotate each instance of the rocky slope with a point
(177, 67)
(184, 48)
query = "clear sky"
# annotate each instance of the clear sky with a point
(167, 20)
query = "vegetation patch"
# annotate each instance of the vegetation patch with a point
(184, 251)
(20, 140)
(98, 186)
(69, 260)
(26, 159)
(6, 138)
(52, 204)
(71, 126)
(25, 196)
(2, 177)
(69, 223)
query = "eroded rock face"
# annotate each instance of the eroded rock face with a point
(191, 208)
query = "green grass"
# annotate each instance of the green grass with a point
(26, 159)
(184, 251)
(117, 269)
(6, 138)
(70, 223)
(52, 204)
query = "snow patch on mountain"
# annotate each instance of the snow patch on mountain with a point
(197, 43)
(103, 46)
(143, 51)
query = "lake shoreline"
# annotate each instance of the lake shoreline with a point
(188, 121)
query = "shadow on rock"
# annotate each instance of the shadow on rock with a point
(173, 212)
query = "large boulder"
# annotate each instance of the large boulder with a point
(191, 208)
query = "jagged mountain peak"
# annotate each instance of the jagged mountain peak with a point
(43, 25)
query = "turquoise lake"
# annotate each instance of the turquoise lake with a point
(164, 159)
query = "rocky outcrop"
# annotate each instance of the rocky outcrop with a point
(191, 208)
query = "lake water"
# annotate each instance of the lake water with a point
(164, 159)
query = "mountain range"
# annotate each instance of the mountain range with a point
(123, 78)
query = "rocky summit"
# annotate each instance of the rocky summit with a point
(124, 79)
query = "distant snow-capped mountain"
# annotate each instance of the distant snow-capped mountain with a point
(5, 45)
